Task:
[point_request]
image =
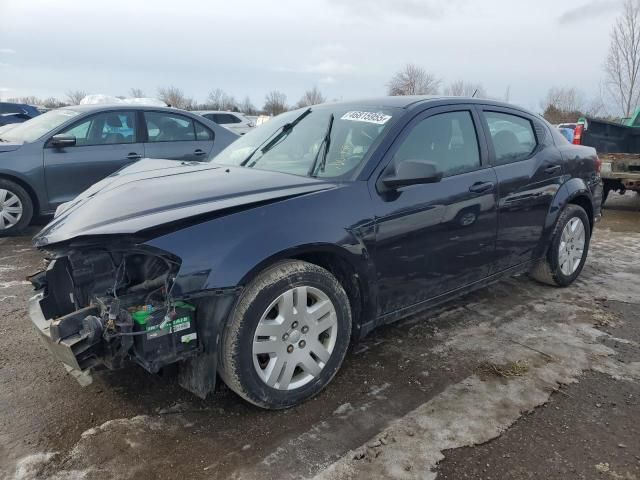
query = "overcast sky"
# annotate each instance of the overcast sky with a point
(348, 48)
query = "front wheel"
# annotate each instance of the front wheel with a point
(16, 208)
(288, 335)
(568, 250)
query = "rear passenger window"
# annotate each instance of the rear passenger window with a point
(448, 140)
(167, 127)
(225, 118)
(203, 133)
(512, 136)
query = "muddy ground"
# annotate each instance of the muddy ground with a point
(516, 381)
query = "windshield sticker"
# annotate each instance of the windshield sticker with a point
(370, 117)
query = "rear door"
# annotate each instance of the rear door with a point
(529, 169)
(434, 238)
(176, 137)
(105, 142)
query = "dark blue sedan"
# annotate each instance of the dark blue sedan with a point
(263, 265)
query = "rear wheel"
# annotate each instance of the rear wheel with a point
(16, 208)
(568, 250)
(288, 335)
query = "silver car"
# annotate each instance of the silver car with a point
(234, 121)
(48, 160)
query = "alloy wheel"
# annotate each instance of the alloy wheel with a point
(295, 338)
(572, 243)
(10, 209)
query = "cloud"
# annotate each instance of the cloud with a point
(9, 51)
(4, 65)
(592, 9)
(330, 67)
(400, 8)
(326, 67)
(327, 80)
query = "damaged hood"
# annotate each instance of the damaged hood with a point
(152, 193)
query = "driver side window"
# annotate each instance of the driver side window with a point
(447, 140)
(106, 128)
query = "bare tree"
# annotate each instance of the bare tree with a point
(74, 96)
(460, 88)
(247, 107)
(275, 103)
(175, 97)
(413, 80)
(136, 93)
(622, 65)
(52, 102)
(219, 100)
(566, 99)
(563, 104)
(30, 100)
(311, 97)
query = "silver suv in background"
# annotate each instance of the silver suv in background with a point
(234, 121)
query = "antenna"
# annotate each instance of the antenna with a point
(474, 93)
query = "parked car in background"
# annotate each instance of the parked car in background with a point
(234, 121)
(51, 158)
(16, 112)
(306, 233)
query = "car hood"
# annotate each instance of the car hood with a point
(153, 193)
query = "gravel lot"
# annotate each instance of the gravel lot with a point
(517, 380)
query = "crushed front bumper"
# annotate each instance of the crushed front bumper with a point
(67, 350)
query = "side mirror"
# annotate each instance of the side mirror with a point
(412, 172)
(62, 140)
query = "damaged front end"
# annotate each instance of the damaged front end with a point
(106, 306)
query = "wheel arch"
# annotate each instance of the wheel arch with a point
(27, 187)
(351, 270)
(575, 192)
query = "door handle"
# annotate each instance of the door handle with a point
(481, 187)
(550, 170)
(199, 152)
(134, 156)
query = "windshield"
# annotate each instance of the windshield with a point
(38, 126)
(325, 141)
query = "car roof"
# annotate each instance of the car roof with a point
(410, 101)
(119, 106)
(216, 111)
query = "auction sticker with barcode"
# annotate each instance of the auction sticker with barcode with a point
(370, 117)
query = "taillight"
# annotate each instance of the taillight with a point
(598, 164)
(577, 134)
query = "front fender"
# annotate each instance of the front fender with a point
(226, 251)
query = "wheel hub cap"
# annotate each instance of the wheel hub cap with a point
(295, 338)
(572, 243)
(10, 209)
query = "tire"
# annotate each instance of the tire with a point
(278, 379)
(557, 271)
(12, 197)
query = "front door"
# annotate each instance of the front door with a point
(529, 168)
(105, 142)
(434, 238)
(177, 137)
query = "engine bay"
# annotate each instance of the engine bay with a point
(112, 306)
